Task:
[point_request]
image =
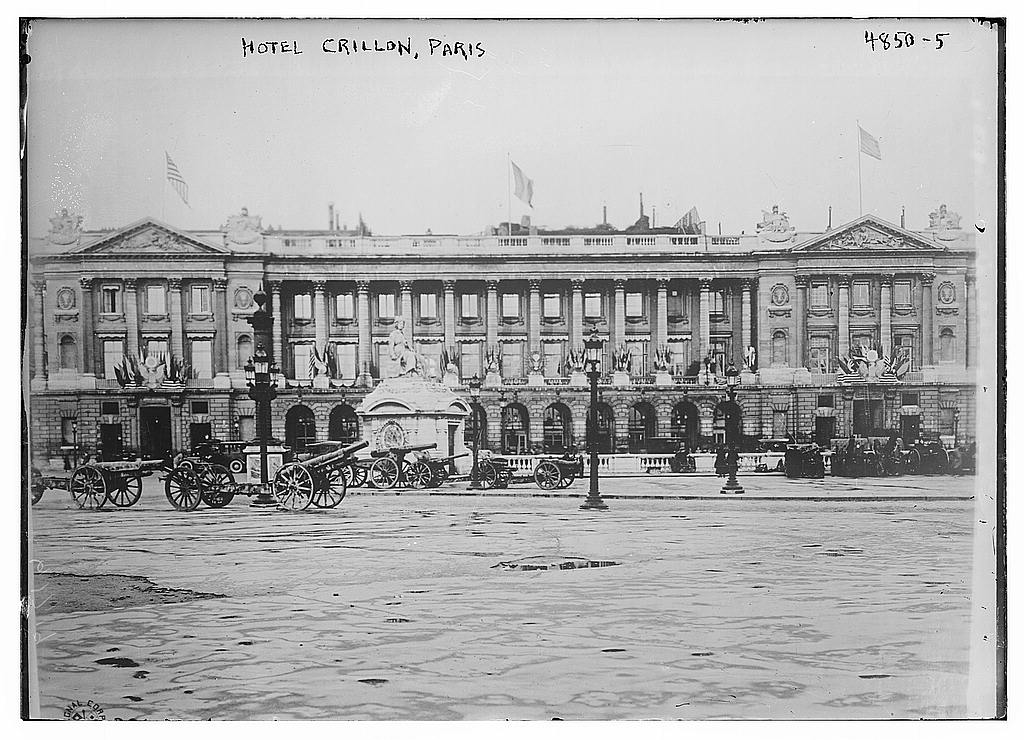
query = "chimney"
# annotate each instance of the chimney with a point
(330, 217)
(654, 215)
(604, 212)
(337, 218)
(903, 217)
(641, 205)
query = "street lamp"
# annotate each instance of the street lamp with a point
(956, 425)
(261, 375)
(732, 380)
(593, 346)
(474, 394)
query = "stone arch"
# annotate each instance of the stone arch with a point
(728, 422)
(299, 427)
(643, 425)
(244, 348)
(515, 429)
(684, 422)
(557, 427)
(605, 427)
(343, 424)
(67, 352)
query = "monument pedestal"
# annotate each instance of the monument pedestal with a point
(535, 379)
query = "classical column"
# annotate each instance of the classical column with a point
(492, 313)
(131, 316)
(801, 321)
(705, 318)
(620, 314)
(88, 334)
(320, 319)
(277, 351)
(926, 317)
(746, 326)
(220, 343)
(576, 336)
(661, 325)
(177, 345)
(448, 286)
(534, 328)
(844, 315)
(405, 288)
(885, 314)
(38, 333)
(971, 303)
(365, 348)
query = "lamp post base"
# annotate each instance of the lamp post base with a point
(264, 500)
(732, 485)
(594, 504)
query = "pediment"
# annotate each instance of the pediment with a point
(150, 236)
(868, 234)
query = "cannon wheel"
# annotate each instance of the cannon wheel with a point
(384, 473)
(125, 492)
(333, 491)
(355, 475)
(216, 483)
(569, 475)
(88, 487)
(294, 487)
(547, 475)
(37, 486)
(941, 461)
(913, 464)
(419, 475)
(487, 474)
(956, 461)
(183, 489)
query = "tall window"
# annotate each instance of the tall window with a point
(199, 299)
(428, 305)
(110, 299)
(677, 303)
(819, 353)
(718, 303)
(470, 360)
(903, 349)
(113, 353)
(862, 339)
(634, 305)
(819, 294)
(552, 359)
(431, 351)
(512, 360)
(470, 307)
(779, 358)
(301, 354)
(638, 357)
(156, 303)
(344, 306)
(901, 293)
(510, 306)
(947, 345)
(552, 306)
(386, 306)
(202, 358)
(68, 353)
(592, 305)
(861, 294)
(303, 304)
(947, 424)
(779, 428)
(156, 347)
(345, 355)
(245, 349)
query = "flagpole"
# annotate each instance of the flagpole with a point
(508, 184)
(860, 187)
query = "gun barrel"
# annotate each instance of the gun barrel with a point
(329, 457)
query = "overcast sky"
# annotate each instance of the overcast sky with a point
(729, 117)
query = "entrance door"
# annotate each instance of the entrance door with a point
(824, 430)
(910, 429)
(199, 432)
(111, 442)
(155, 432)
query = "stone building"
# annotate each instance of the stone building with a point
(675, 309)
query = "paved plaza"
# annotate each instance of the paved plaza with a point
(839, 598)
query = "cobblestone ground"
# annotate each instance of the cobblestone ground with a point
(391, 607)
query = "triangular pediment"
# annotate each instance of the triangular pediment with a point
(150, 236)
(868, 234)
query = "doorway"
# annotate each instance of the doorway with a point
(199, 432)
(824, 430)
(910, 429)
(155, 432)
(111, 442)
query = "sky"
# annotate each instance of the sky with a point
(729, 117)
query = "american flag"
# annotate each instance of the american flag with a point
(176, 180)
(869, 144)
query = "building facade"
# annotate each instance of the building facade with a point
(675, 309)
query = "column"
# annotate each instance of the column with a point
(177, 346)
(220, 340)
(661, 325)
(844, 315)
(801, 321)
(534, 327)
(926, 317)
(705, 319)
(88, 336)
(38, 333)
(364, 351)
(277, 351)
(620, 314)
(971, 303)
(576, 335)
(885, 314)
(320, 320)
(746, 327)
(449, 312)
(131, 317)
(492, 313)
(405, 288)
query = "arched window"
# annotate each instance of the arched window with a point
(299, 428)
(641, 426)
(515, 430)
(476, 423)
(728, 418)
(779, 358)
(245, 349)
(68, 353)
(343, 424)
(947, 345)
(557, 428)
(605, 428)
(685, 423)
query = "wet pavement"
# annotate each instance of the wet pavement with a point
(398, 607)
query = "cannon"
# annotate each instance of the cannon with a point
(557, 472)
(494, 472)
(319, 480)
(430, 472)
(120, 482)
(390, 468)
(804, 461)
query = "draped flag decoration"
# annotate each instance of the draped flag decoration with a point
(869, 144)
(177, 181)
(524, 185)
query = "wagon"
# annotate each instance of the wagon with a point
(430, 472)
(494, 472)
(390, 467)
(557, 472)
(119, 482)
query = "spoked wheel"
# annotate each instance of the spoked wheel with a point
(333, 491)
(355, 475)
(913, 462)
(504, 477)
(486, 474)
(37, 486)
(294, 487)
(88, 488)
(217, 484)
(567, 480)
(956, 461)
(183, 489)
(384, 473)
(547, 475)
(419, 475)
(125, 492)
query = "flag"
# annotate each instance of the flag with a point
(177, 181)
(524, 186)
(869, 144)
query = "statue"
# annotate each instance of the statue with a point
(775, 226)
(492, 360)
(65, 228)
(663, 360)
(243, 228)
(402, 352)
(750, 359)
(622, 359)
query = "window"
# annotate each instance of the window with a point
(156, 303)
(200, 407)
(947, 421)
(110, 299)
(947, 345)
(431, 352)
(246, 427)
(510, 306)
(345, 355)
(344, 306)
(862, 341)
(385, 365)
(779, 354)
(909, 399)
(471, 360)
(718, 303)
(552, 306)
(68, 430)
(826, 400)
(68, 353)
(386, 306)
(634, 305)
(779, 424)
(470, 308)
(428, 305)
(512, 360)
(245, 349)
(156, 348)
(819, 295)
(637, 358)
(592, 305)
(552, 359)
(301, 354)
(901, 293)
(303, 305)
(110, 408)
(819, 353)
(903, 349)
(113, 353)
(677, 303)
(199, 299)
(680, 356)
(861, 294)
(202, 358)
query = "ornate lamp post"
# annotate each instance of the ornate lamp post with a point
(732, 380)
(956, 426)
(593, 346)
(261, 375)
(474, 394)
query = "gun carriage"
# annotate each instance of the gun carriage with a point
(93, 484)
(390, 467)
